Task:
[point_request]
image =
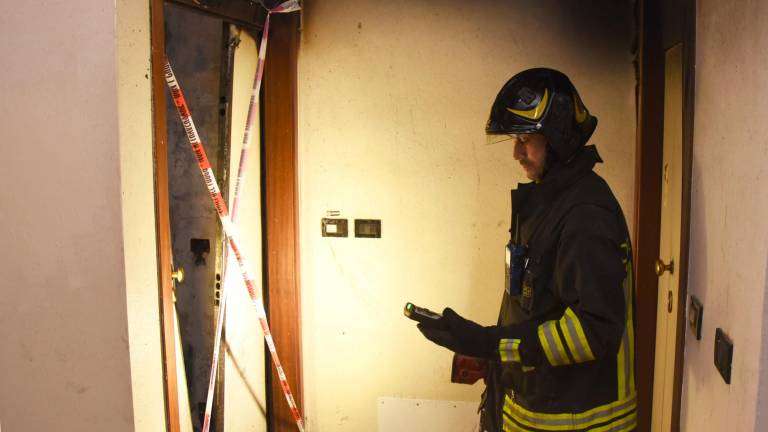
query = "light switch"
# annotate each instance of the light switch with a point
(334, 227)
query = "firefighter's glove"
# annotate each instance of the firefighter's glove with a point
(440, 336)
(463, 336)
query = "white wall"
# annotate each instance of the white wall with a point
(63, 318)
(393, 99)
(729, 206)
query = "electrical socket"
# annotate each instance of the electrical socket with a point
(723, 354)
(695, 317)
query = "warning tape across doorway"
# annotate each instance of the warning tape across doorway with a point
(285, 7)
(229, 228)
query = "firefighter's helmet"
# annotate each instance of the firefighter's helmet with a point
(545, 101)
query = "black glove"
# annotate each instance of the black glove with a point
(463, 336)
(440, 336)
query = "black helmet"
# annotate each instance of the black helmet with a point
(544, 101)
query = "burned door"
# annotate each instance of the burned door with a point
(197, 46)
(215, 63)
(243, 350)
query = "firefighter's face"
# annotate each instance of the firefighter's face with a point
(531, 152)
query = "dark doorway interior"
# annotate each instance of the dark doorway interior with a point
(197, 47)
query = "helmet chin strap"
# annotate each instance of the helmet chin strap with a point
(550, 161)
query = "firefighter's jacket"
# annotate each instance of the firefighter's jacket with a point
(566, 360)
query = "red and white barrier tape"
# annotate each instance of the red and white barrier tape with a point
(285, 7)
(230, 231)
(242, 169)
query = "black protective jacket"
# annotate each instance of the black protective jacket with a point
(566, 360)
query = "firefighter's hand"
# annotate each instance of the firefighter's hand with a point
(463, 336)
(474, 340)
(440, 336)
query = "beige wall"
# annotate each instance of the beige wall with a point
(63, 319)
(81, 327)
(729, 206)
(134, 106)
(393, 98)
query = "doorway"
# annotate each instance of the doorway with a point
(662, 203)
(198, 47)
(234, 27)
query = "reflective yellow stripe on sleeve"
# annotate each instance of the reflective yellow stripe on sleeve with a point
(552, 345)
(625, 358)
(509, 350)
(575, 337)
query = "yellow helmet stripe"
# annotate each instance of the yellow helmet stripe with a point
(536, 112)
(580, 113)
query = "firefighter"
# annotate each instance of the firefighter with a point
(561, 357)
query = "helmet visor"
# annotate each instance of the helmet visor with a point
(491, 138)
(496, 132)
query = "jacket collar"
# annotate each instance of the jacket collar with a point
(562, 176)
(528, 197)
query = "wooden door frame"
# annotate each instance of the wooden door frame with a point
(280, 213)
(279, 219)
(689, 77)
(162, 216)
(648, 168)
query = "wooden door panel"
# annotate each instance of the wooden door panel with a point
(280, 164)
(669, 242)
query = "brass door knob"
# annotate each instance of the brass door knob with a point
(178, 275)
(661, 267)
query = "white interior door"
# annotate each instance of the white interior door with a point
(669, 244)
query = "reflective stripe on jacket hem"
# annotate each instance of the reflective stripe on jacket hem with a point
(618, 416)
